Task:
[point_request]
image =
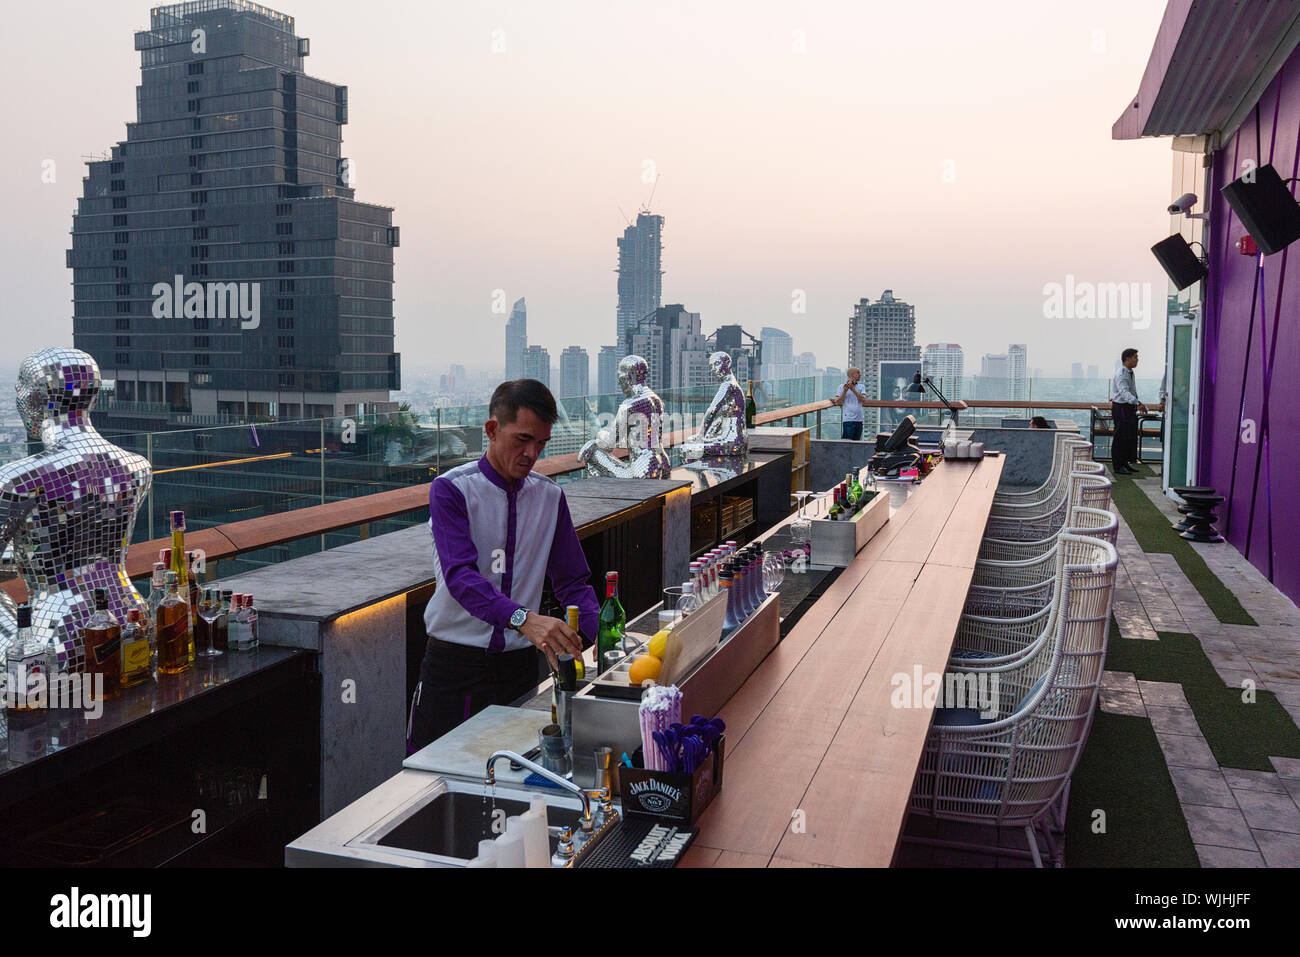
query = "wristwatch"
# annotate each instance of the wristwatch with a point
(518, 618)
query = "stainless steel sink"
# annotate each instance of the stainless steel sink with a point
(443, 823)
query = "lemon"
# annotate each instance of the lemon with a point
(644, 668)
(659, 644)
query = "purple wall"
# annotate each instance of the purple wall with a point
(1251, 365)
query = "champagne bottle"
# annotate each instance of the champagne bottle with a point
(750, 408)
(612, 622)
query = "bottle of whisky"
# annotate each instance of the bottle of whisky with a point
(137, 650)
(157, 586)
(27, 665)
(175, 636)
(251, 639)
(102, 639)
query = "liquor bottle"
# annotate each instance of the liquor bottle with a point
(836, 509)
(27, 665)
(157, 586)
(175, 637)
(196, 597)
(612, 621)
(251, 639)
(221, 637)
(137, 650)
(750, 408)
(101, 637)
(178, 564)
(572, 613)
(236, 622)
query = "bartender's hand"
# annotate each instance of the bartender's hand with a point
(552, 636)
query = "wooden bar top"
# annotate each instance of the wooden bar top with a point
(819, 763)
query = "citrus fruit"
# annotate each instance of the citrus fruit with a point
(645, 667)
(658, 644)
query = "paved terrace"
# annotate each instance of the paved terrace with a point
(1186, 764)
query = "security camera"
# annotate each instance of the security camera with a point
(1183, 204)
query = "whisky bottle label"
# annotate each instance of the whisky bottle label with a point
(108, 649)
(135, 655)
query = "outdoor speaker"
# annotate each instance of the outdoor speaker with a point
(1180, 264)
(1266, 208)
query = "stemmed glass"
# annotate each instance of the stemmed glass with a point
(210, 611)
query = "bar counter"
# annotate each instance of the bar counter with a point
(819, 765)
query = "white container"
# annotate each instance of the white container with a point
(487, 855)
(537, 849)
(963, 449)
(950, 450)
(510, 845)
(977, 450)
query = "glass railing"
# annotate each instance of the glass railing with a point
(218, 473)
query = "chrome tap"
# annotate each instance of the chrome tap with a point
(586, 822)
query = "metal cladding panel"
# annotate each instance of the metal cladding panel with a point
(1251, 352)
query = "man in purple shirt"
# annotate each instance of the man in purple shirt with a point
(499, 530)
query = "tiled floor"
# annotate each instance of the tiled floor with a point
(1237, 818)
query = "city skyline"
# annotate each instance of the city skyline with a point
(733, 260)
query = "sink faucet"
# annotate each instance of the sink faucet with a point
(586, 822)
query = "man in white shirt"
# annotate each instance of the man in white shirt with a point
(1124, 408)
(851, 399)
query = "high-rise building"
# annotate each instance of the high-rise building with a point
(995, 366)
(880, 331)
(220, 260)
(1018, 371)
(607, 370)
(575, 370)
(805, 365)
(516, 339)
(675, 348)
(640, 271)
(1076, 370)
(778, 353)
(946, 364)
(537, 365)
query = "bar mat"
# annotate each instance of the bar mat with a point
(641, 842)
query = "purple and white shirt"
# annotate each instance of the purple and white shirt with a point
(492, 550)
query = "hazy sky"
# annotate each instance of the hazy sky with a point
(958, 153)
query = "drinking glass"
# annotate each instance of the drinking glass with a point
(210, 611)
(773, 571)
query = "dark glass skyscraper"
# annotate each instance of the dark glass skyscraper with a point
(640, 271)
(221, 263)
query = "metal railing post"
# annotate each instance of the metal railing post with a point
(148, 454)
(819, 423)
(322, 475)
(438, 445)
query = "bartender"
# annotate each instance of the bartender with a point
(498, 529)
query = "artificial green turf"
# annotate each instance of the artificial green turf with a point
(1122, 773)
(1241, 734)
(1155, 533)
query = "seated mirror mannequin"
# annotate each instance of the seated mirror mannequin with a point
(638, 427)
(722, 433)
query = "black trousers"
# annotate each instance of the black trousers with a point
(459, 681)
(1124, 444)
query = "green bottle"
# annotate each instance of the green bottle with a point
(857, 491)
(750, 408)
(613, 622)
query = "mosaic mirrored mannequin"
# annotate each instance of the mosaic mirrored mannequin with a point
(69, 510)
(638, 427)
(723, 429)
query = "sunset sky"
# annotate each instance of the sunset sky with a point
(798, 147)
